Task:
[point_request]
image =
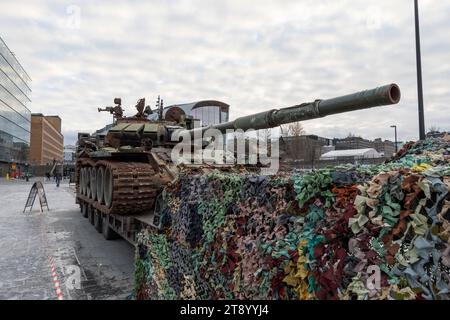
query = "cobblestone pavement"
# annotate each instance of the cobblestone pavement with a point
(86, 266)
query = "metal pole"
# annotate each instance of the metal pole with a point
(419, 74)
(396, 144)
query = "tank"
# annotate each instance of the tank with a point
(124, 169)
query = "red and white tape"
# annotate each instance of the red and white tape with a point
(56, 283)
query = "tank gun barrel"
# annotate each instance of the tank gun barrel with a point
(106, 109)
(380, 96)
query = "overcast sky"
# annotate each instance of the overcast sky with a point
(254, 55)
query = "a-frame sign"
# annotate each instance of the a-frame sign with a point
(37, 189)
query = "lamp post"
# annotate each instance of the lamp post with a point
(419, 74)
(395, 130)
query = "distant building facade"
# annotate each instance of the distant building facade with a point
(47, 142)
(15, 115)
(69, 153)
(303, 148)
(312, 150)
(352, 143)
(386, 147)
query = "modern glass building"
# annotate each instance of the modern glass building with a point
(208, 112)
(15, 117)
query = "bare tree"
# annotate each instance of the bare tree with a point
(434, 128)
(294, 129)
(263, 139)
(264, 134)
(294, 141)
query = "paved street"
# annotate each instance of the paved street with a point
(86, 266)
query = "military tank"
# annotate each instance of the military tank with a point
(120, 174)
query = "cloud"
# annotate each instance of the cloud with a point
(254, 57)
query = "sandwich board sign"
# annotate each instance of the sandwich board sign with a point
(37, 190)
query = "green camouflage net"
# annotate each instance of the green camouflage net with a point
(349, 232)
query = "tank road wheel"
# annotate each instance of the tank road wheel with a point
(100, 173)
(85, 176)
(91, 213)
(108, 233)
(80, 182)
(88, 182)
(108, 187)
(98, 221)
(84, 209)
(93, 183)
(128, 187)
(81, 186)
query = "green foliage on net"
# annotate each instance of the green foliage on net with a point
(159, 247)
(140, 274)
(314, 185)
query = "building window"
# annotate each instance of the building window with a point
(209, 115)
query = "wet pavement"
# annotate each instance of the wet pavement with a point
(57, 254)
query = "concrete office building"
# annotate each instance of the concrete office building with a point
(307, 148)
(47, 142)
(386, 147)
(353, 143)
(15, 115)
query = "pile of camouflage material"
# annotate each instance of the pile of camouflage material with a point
(365, 232)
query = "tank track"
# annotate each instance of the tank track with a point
(133, 187)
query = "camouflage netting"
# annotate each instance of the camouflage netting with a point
(320, 235)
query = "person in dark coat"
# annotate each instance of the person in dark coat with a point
(58, 178)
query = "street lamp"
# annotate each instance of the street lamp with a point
(419, 73)
(395, 130)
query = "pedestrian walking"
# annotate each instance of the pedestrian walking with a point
(27, 167)
(57, 178)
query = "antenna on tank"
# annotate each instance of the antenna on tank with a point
(161, 108)
(158, 102)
